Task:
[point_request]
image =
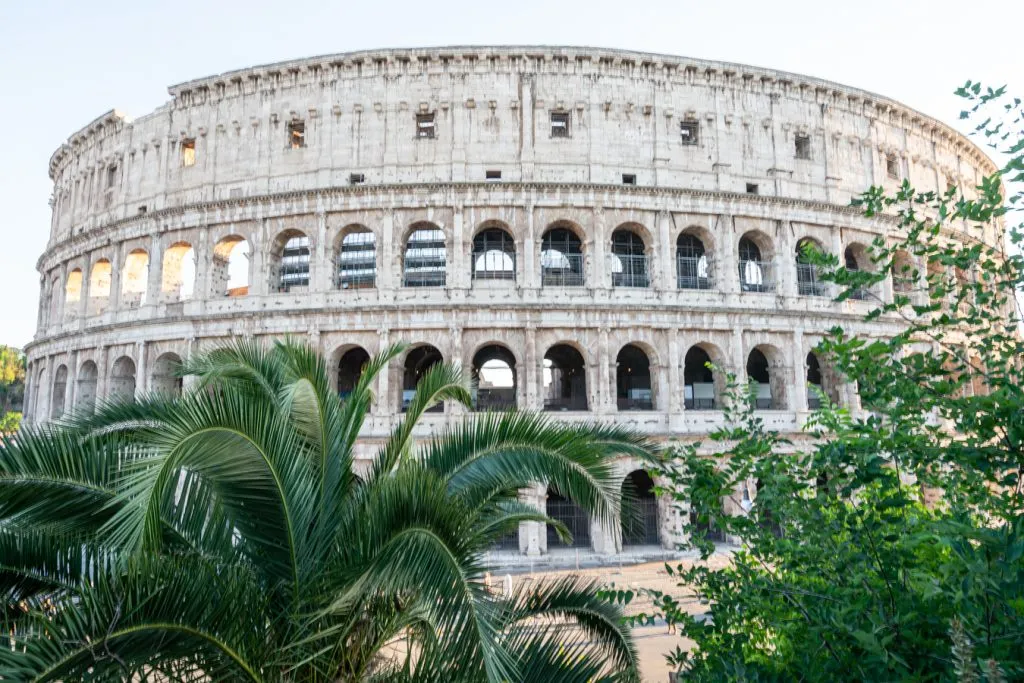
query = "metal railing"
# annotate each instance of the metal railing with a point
(808, 282)
(565, 403)
(574, 518)
(563, 270)
(694, 272)
(632, 271)
(699, 403)
(493, 265)
(640, 522)
(757, 276)
(423, 278)
(636, 396)
(495, 399)
(356, 280)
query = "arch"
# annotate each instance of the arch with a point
(135, 278)
(693, 266)
(356, 258)
(570, 514)
(757, 270)
(762, 370)
(122, 380)
(561, 257)
(494, 254)
(229, 272)
(565, 379)
(808, 276)
(700, 390)
(634, 390)
(425, 260)
(814, 380)
(629, 261)
(290, 259)
(59, 393)
(417, 362)
(494, 372)
(639, 510)
(350, 369)
(178, 272)
(166, 379)
(85, 391)
(856, 258)
(72, 292)
(99, 287)
(702, 526)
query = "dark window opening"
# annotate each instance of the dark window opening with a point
(693, 268)
(633, 379)
(689, 131)
(559, 124)
(493, 175)
(639, 510)
(357, 261)
(576, 520)
(892, 166)
(629, 260)
(752, 188)
(356, 178)
(142, 209)
(425, 259)
(350, 369)
(417, 363)
(425, 125)
(494, 371)
(111, 176)
(698, 380)
(296, 134)
(561, 259)
(294, 268)
(803, 147)
(755, 272)
(494, 255)
(853, 265)
(808, 276)
(758, 373)
(188, 152)
(813, 382)
(629, 179)
(565, 379)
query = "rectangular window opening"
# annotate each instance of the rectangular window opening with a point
(142, 209)
(689, 131)
(803, 147)
(188, 152)
(493, 175)
(356, 179)
(297, 134)
(751, 188)
(425, 125)
(559, 124)
(629, 179)
(111, 176)
(892, 166)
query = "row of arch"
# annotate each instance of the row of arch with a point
(424, 263)
(496, 380)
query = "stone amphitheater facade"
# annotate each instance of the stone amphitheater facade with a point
(583, 228)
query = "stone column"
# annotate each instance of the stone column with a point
(598, 278)
(726, 265)
(154, 276)
(102, 381)
(531, 253)
(603, 394)
(141, 372)
(387, 278)
(530, 375)
(533, 535)
(664, 253)
(319, 268)
(116, 268)
(383, 404)
(785, 260)
(83, 299)
(675, 390)
(71, 394)
(189, 381)
(259, 278)
(203, 252)
(799, 383)
(455, 333)
(458, 275)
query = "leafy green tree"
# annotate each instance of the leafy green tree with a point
(228, 534)
(12, 378)
(10, 423)
(890, 544)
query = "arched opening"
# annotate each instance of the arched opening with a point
(178, 275)
(85, 392)
(757, 273)
(122, 380)
(576, 520)
(904, 275)
(425, 260)
(292, 255)
(814, 382)
(565, 379)
(494, 255)
(357, 260)
(855, 259)
(758, 372)
(702, 526)
(165, 379)
(72, 293)
(229, 272)
(60, 389)
(808, 277)
(350, 369)
(633, 379)
(698, 380)
(561, 259)
(693, 268)
(494, 370)
(135, 279)
(629, 260)
(640, 510)
(417, 363)
(99, 287)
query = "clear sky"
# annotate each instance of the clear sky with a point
(64, 62)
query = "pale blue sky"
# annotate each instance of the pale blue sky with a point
(66, 62)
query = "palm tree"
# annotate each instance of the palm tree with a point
(226, 535)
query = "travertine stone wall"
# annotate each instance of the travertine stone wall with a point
(777, 158)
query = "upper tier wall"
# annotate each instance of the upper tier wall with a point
(492, 109)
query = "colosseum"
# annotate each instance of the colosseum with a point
(581, 228)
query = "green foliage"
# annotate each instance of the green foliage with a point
(887, 543)
(10, 423)
(228, 534)
(12, 379)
